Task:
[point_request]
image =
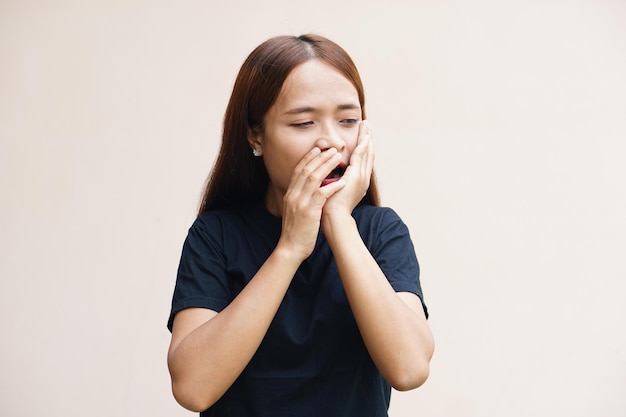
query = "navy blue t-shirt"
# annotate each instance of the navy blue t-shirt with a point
(312, 361)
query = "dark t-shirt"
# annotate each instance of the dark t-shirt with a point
(312, 361)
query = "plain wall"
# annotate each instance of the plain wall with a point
(500, 131)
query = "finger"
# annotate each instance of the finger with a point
(366, 149)
(306, 191)
(307, 158)
(319, 172)
(359, 152)
(364, 129)
(370, 155)
(321, 194)
(312, 170)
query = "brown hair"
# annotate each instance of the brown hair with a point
(238, 177)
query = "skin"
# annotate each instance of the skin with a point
(314, 125)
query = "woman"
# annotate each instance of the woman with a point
(296, 294)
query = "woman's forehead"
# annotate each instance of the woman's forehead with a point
(315, 83)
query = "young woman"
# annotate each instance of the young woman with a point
(297, 295)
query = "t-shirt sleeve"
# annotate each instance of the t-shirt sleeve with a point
(202, 279)
(394, 252)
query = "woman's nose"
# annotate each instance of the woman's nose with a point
(330, 137)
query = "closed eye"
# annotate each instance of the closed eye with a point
(302, 125)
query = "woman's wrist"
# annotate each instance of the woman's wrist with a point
(336, 225)
(288, 254)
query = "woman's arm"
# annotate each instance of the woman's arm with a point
(393, 325)
(209, 350)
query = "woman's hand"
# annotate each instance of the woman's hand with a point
(357, 176)
(304, 200)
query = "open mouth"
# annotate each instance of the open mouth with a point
(335, 174)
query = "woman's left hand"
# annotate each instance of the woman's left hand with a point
(357, 176)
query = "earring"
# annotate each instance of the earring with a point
(256, 152)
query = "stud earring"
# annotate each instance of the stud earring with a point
(256, 152)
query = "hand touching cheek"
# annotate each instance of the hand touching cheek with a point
(357, 176)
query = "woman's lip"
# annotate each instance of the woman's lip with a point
(327, 181)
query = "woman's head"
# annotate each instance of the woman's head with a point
(238, 177)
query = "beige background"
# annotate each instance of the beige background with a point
(500, 131)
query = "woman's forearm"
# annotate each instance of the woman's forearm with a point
(393, 325)
(210, 350)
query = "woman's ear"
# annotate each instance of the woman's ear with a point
(255, 139)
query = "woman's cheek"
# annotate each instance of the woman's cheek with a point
(352, 142)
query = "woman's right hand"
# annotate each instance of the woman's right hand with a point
(304, 200)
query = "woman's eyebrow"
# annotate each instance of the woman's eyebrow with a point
(348, 106)
(309, 109)
(299, 110)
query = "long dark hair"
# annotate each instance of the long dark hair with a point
(238, 177)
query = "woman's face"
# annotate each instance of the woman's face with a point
(316, 107)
